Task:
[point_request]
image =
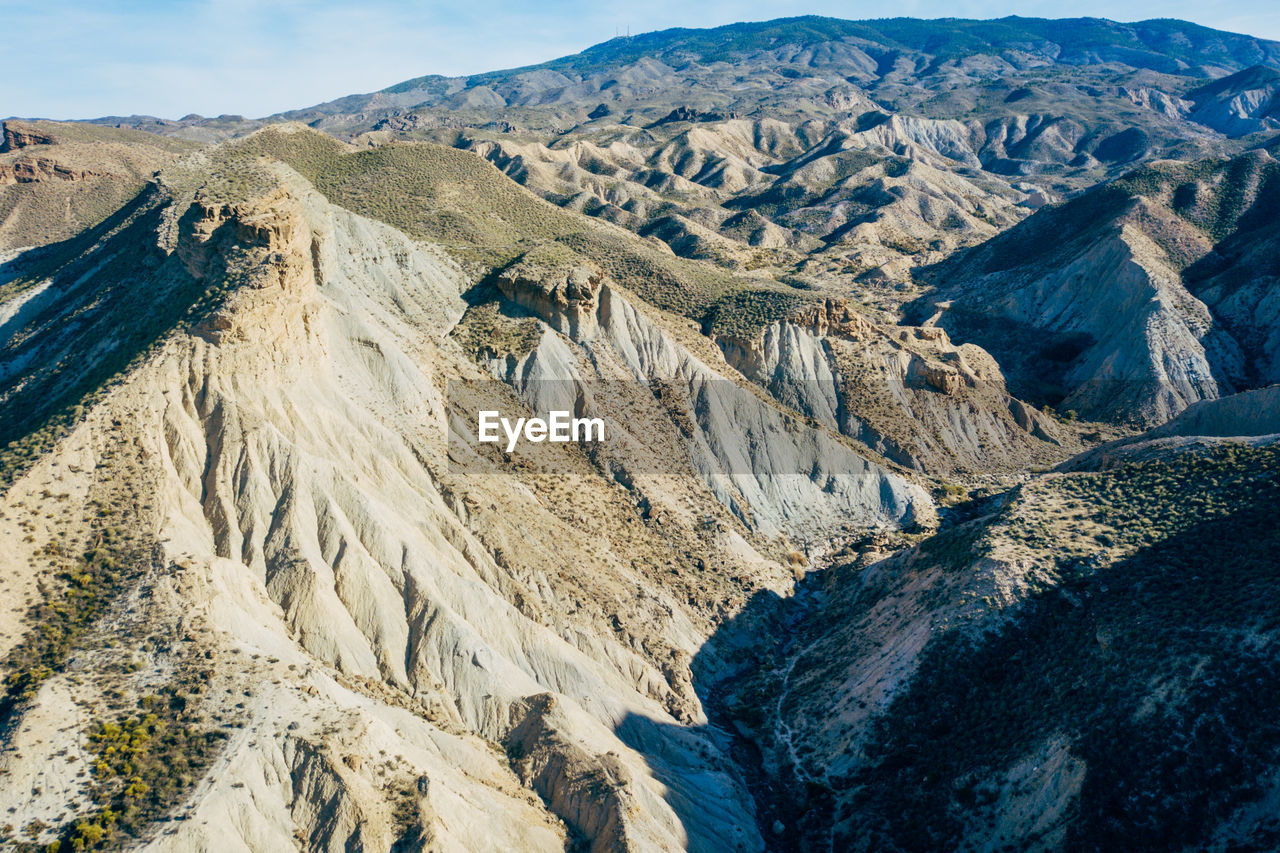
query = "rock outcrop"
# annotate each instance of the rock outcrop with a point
(1241, 103)
(907, 393)
(778, 474)
(56, 180)
(34, 169)
(21, 135)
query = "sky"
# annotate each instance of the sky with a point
(69, 59)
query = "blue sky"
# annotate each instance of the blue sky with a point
(87, 58)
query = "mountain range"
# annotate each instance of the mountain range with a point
(937, 361)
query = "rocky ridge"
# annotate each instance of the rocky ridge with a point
(1153, 294)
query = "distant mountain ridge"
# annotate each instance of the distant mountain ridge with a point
(870, 51)
(877, 50)
(1165, 45)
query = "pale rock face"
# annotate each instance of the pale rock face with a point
(338, 558)
(1151, 334)
(1157, 101)
(1152, 347)
(298, 443)
(312, 762)
(1133, 301)
(1244, 113)
(923, 138)
(778, 477)
(907, 393)
(793, 364)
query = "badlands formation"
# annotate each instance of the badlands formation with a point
(937, 366)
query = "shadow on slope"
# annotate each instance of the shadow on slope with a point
(746, 652)
(1210, 222)
(1159, 673)
(82, 311)
(1130, 706)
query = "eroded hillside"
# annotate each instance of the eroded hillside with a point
(1155, 291)
(874, 555)
(257, 488)
(1090, 665)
